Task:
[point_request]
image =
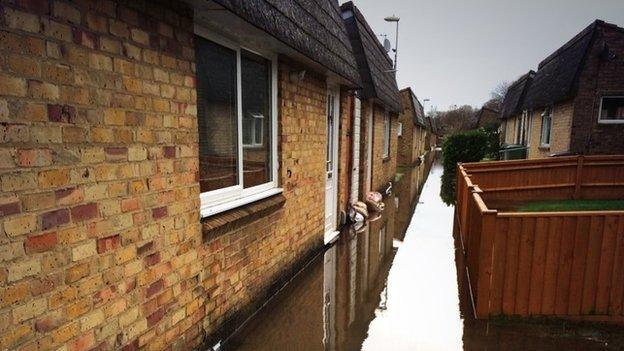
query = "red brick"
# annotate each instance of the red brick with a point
(154, 288)
(69, 196)
(128, 205)
(34, 157)
(108, 243)
(169, 151)
(85, 38)
(132, 346)
(61, 113)
(41, 243)
(44, 285)
(84, 212)
(155, 317)
(159, 212)
(49, 322)
(152, 259)
(38, 6)
(54, 218)
(103, 346)
(9, 208)
(82, 343)
(116, 153)
(145, 248)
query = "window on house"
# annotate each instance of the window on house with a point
(386, 135)
(611, 109)
(523, 129)
(546, 127)
(235, 107)
(400, 129)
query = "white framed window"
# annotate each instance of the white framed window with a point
(400, 129)
(386, 135)
(611, 110)
(237, 122)
(547, 121)
(253, 129)
(523, 130)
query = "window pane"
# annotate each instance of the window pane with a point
(256, 91)
(247, 131)
(217, 115)
(612, 108)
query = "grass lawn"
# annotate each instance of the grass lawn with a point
(571, 205)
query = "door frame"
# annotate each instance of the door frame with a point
(330, 230)
(370, 119)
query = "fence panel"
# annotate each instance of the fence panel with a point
(567, 264)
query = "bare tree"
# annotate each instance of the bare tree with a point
(497, 95)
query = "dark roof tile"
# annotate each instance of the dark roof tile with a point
(374, 65)
(312, 27)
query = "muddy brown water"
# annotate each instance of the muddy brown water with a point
(394, 285)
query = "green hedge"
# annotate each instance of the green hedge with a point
(470, 146)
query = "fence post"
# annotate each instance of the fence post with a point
(579, 175)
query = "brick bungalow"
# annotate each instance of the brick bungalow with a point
(166, 165)
(380, 104)
(413, 144)
(574, 103)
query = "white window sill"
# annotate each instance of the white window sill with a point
(611, 121)
(208, 210)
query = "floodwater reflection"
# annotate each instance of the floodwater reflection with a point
(394, 285)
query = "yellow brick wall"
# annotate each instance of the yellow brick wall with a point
(100, 234)
(383, 169)
(100, 239)
(560, 131)
(510, 129)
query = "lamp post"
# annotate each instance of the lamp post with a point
(396, 19)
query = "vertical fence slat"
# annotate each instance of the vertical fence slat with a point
(488, 228)
(606, 264)
(498, 266)
(553, 249)
(511, 266)
(617, 279)
(562, 296)
(538, 265)
(592, 265)
(581, 241)
(527, 240)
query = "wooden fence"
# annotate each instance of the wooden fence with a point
(565, 264)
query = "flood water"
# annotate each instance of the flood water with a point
(394, 285)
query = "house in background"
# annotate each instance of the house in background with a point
(165, 166)
(412, 141)
(380, 104)
(514, 121)
(415, 158)
(574, 103)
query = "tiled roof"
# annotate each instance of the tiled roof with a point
(312, 27)
(374, 65)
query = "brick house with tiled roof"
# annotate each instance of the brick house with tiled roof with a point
(573, 104)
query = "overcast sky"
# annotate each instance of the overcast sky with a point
(456, 52)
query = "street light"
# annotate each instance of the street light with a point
(396, 19)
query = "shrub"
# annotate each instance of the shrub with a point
(470, 146)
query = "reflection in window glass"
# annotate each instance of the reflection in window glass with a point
(256, 96)
(217, 115)
(612, 109)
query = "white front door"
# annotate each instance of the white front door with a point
(331, 170)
